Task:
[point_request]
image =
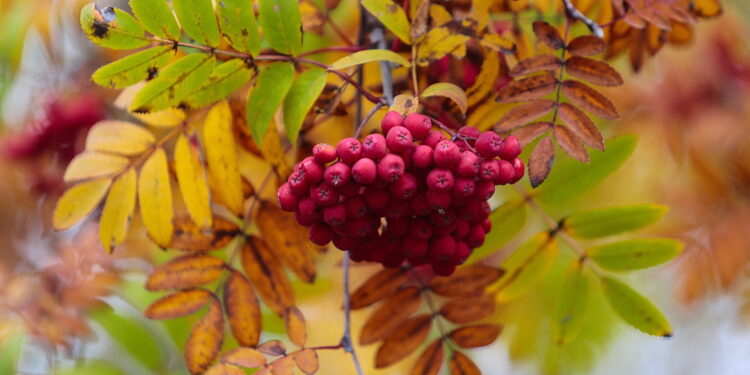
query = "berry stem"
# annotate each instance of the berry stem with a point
(367, 118)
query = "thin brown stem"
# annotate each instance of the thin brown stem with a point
(332, 49)
(367, 118)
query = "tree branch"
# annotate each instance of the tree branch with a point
(346, 340)
(377, 37)
(575, 13)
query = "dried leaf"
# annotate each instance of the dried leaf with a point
(192, 180)
(273, 348)
(267, 275)
(78, 201)
(155, 198)
(244, 357)
(224, 369)
(581, 125)
(586, 45)
(306, 360)
(288, 240)
(529, 133)
(178, 304)
(419, 19)
(281, 366)
(186, 271)
(204, 342)
(462, 365)
(466, 281)
(475, 336)
(380, 285)
(403, 341)
(535, 64)
(448, 90)
(468, 309)
(189, 237)
(118, 210)
(405, 104)
(295, 325)
(521, 115)
(119, 137)
(596, 72)
(589, 99)
(242, 309)
(548, 34)
(430, 361)
(571, 144)
(390, 315)
(540, 161)
(92, 164)
(528, 88)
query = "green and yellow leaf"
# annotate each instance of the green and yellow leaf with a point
(112, 28)
(635, 309)
(192, 180)
(157, 18)
(450, 91)
(526, 266)
(221, 156)
(615, 220)
(78, 201)
(300, 98)
(392, 16)
(282, 25)
(223, 81)
(155, 198)
(119, 137)
(238, 24)
(369, 55)
(175, 81)
(272, 84)
(635, 254)
(134, 68)
(118, 210)
(198, 20)
(439, 42)
(572, 304)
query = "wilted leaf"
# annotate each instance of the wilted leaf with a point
(571, 305)
(521, 115)
(430, 361)
(596, 72)
(296, 327)
(267, 275)
(184, 272)
(635, 309)
(571, 144)
(526, 266)
(192, 180)
(475, 336)
(224, 80)
(198, 20)
(466, 281)
(282, 25)
(540, 161)
(178, 304)
(380, 285)
(403, 341)
(175, 81)
(390, 315)
(529, 133)
(581, 126)
(119, 137)
(271, 86)
(155, 198)
(112, 28)
(288, 240)
(462, 365)
(118, 210)
(497, 43)
(92, 164)
(439, 42)
(369, 55)
(273, 348)
(224, 369)
(589, 99)
(243, 311)
(190, 237)
(204, 342)
(157, 18)
(586, 45)
(634, 254)
(421, 15)
(526, 89)
(468, 309)
(548, 34)
(405, 104)
(535, 64)
(614, 220)
(237, 23)
(221, 156)
(245, 357)
(448, 90)
(391, 15)
(78, 201)
(134, 68)
(306, 360)
(300, 98)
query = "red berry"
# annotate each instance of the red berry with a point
(356, 207)
(461, 229)
(287, 200)
(324, 194)
(487, 225)
(307, 220)
(374, 146)
(377, 199)
(391, 168)
(441, 249)
(419, 205)
(443, 217)
(344, 242)
(438, 199)
(489, 144)
(511, 148)
(463, 187)
(393, 259)
(356, 254)
(298, 183)
(397, 208)
(364, 171)
(468, 165)
(420, 229)
(405, 187)
(419, 125)
(519, 169)
(433, 138)
(313, 170)
(337, 175)
(475, 238)
(398, 226)
(321, 234)
(359, 227)
(443, 269)
(505, 172)
(413, 248)
(460, 253)
(483, 190)
(446, 154)
(391, 119)
(324, 153)
(398, 139)
(422, 156)
(335, 215)
(470, 132)
(349, 190)
(349, 150)
(440, 179)
(488, 170)
(306, 206)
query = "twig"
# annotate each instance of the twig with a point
(367, 118)
(575, 13)
(346, 339)
(377, 36)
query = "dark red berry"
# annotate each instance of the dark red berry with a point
(313, 170)
(439, 199)
(413, 248)
(505, 172)
(518, 167)
(468, 165)
(420, 229)
(391, 168)
(433, 138)
(488, 170)
(287, 200)
(324, 194)
(374, 146)
(461, 229)
(470, 132)
(364, 171)
(511, 148)
(419, 125)
(441, 249)
(298, 183)
(489, 144)
(397, 208)
(398, 226)
(344, 242)
(377, 199)
(460, 253)
(475, 238)
(391, 119)
(483, 190)
(422, 156)
(443, 269)
(356, 206)
(321, 234)
(419, 205)
(463, 187)
(440, 179)
(405, 187)
(446, 154)
(335, 215)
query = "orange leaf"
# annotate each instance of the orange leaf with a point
(296, 329)
(535, 64)
(571, 144)
(288, 240)
(403, 341)
(586, 45)
(524, 113)
(185, 272)
(527, 88)
(540, 161)
(581, 125)
(390, 315)
(282, 366)
(268, 277)
(548, 34)
(589, 99)
(596, 72)
(245, 357)
(204, 342)
(529, 133)
(224, 369)
(380, 285)
(306, 360)
(468, 309)
(190, 237)
(475, 336)
(460, 364)
(243, 311)
(178, 304)
(273, 348)
(430, 361)
(466, 281)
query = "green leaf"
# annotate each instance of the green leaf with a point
(449, 91)
(526, 266)
(635, 254)
(177, 79)
(369, 55)
(132, 335)
(572, 304)
(507, 220)
(10, 350)
(198, 19)
(237, 22)
(282, 25)
(134, 68)
(95, 367)
(392, 16)
(157, 18)
(224, 80)
(571, 178)
(272, 84)
(611, 221)
(635, 309)
(112, 28)
(301, 98)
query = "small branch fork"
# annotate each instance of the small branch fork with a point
(577, 14)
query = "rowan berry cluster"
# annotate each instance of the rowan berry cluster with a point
(390, 200)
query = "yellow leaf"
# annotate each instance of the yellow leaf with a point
(296, 327)
(118, 210)
(167, 118)
(273, 151)
(119, 137)
(449, 91)
(78, 202)
(178, 304)
(439, 15)
(369, 55)
(439, 42)
(155, 198)
(204, 342)
(221, 156)
(405, 104)
(91, 164)
(497, 43)
(485, 81)
(192, 180)
(481, 13)
(391, 15)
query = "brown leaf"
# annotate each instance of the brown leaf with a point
(281, 366)
(273, 348)
(468, 309)
(589, 99)
(529, 133)
(178, 304)
(475, 336)
(288, 240)
(466, 281)
(204, 342)
(596, 72)
(185, 272)
(403, 341)
(390, 314)
(535, 64)
(306, 360)
(419, 20)
(190, 237)
(528, 88)
(380, 285)
(268, 277)
(245, 357)
(581, 125)
(243, 310)
(540, 161)
(430, 361)
(571, 144)
(460, 364)
(586, 45)
(224, 369)
(296, 329)
(548, 34)
(523, 114)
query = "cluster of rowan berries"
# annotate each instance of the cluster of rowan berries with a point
(390, 200)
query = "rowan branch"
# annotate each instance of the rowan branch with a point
(346, 339)
(571, 10)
